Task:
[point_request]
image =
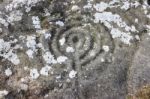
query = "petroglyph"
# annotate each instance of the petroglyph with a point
(79, 49)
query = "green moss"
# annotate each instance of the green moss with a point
(94, 36)
(42, 18)
(143, 93)
(129, 97)
(49, 1)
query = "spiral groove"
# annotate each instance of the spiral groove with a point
(87, 43)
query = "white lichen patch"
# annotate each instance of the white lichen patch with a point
(49, 58)
(7, 52)
(47, 35)
(148, 16)
(36, 22)
(75, 8)
(106, 48)
(8, 72)
(72, 74)
(32, 45)
(127, 4)
(92, 53)
(61, 59)
(31, 42)
(145, 7)
(108, 19)
(101, 6)
(3, 93)
(24, 86)
(44, 32)
(46, 12)
(45, 70)
(102, 60)
(60, 23)
(14, 16)
(21, 3)
(4, 22)
(30, 53)
(58, 77)
(136, 20)
(62, 41)
(124, 37)
(137, 37)
(69, 49)
(34, 73)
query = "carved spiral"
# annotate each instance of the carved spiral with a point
(87, 42)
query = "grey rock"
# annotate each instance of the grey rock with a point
(108, 55)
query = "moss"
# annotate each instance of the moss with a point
(143, 93)
(49, 1)
(94, 36)
(44, 23)
(42, 18)
(129, 97)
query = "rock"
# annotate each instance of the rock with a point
(139, 70)
(79, 49)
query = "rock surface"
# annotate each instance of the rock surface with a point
(74, 49)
